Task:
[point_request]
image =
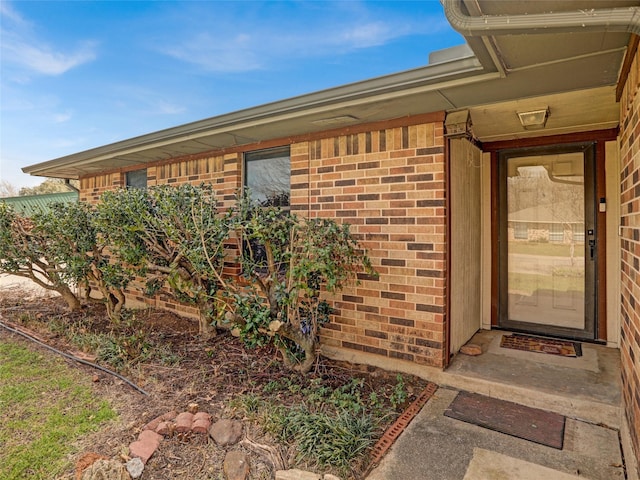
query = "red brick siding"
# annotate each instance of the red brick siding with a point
(630, 244)
(91, 188)
(389, 186)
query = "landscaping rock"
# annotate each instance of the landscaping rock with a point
(328, 476)
(86, 461)
(106, 470)
(236, 466)
(201, 422)
(147, 443)
(295, 474)
(471, 349)
(135, 467)
(166, 417)
(184, 421)
(193, 408)
(165, 428)
(226, 432)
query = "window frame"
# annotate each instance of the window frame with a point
(273, 153)
(136, 183)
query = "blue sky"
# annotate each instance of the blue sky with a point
(80, 74)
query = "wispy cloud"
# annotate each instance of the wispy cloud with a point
(218, 53)
(21, 47)
(144, 101)
(41, 58)
(263, 41)
(62, 117)
(367, 35)
(66, 143)
(7, 11)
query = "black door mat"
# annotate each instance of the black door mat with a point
(528, 423)
(530, 343)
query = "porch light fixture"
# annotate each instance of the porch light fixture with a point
(534, 119)
(458, 125)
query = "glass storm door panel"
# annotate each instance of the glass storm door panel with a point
(547, 241)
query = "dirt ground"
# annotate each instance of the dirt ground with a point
(210, 373)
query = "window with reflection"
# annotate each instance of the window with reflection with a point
(136, 178)
(267, 175)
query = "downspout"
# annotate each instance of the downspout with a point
(623, 19)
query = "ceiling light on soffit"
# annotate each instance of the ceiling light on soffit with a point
(534, 119)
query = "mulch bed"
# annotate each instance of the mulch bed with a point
(210, 373)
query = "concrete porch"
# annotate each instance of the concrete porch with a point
(586, 389)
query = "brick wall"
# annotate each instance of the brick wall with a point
(630, 244)
(389, 185)
(91, 188)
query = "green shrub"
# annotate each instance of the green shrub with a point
(286, 262)
(329, 440)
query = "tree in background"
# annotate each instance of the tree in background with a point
(50, 185)
(7, 189)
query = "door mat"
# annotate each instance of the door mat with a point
(528, 343)
(528, 423)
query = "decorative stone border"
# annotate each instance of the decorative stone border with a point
(224, 432)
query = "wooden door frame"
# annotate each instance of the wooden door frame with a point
(599, 138)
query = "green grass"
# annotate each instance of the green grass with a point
(46, 406)
(545, 249)
(528, 283)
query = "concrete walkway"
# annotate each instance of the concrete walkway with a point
(585, 389)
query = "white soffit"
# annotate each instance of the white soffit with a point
(585, 110)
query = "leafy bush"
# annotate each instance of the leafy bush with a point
(286, 262)
(59, 248)
(173, 236)
(84, 253)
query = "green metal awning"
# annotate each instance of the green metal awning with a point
(28, 204)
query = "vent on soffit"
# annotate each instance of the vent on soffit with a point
(339, 120)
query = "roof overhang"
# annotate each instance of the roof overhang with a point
(406, 93)
(552, 62)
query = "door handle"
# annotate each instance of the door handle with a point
(592, 247)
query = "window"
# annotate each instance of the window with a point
(578, 232)
(520, 231)
(556, 232)
(136, 178)
(267, 174)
